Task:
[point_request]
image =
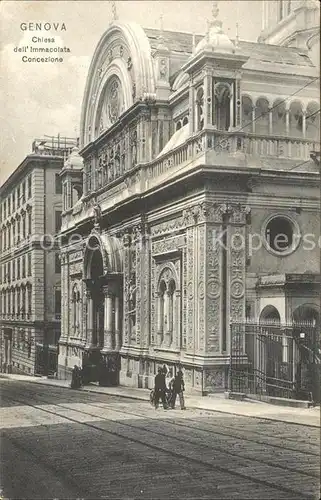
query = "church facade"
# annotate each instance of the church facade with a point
(194, 151)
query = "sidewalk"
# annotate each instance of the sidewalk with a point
(217, 402)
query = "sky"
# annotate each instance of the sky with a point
(38, 99)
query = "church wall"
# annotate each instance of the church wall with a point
(302, 259)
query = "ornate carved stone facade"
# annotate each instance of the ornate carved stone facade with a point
(172, 190)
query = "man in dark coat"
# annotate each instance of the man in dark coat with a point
(160, 388)
(178, 388)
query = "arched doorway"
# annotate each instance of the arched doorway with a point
(103, 279)
(270, 350)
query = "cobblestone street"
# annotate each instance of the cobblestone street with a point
(69, 444)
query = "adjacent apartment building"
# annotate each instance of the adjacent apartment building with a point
(30, 217)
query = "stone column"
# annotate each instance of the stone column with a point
(253, 119)
(27, 301)
(117, 324)
(231, 108)
(192, 104)
(108, 319)
(304, 114)
(90, 318)
(238, 101)
(207, 99)
(270, 121)
(287, 122)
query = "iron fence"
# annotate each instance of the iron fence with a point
(273, 359)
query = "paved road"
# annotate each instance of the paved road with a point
(60, 443)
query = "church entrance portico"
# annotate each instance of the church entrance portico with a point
(103, 309)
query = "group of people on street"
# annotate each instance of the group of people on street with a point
(168, 394)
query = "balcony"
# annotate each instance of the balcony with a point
(231, 143)
(235, 150)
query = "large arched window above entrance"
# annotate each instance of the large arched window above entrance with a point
(112, 104)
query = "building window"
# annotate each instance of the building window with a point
(29, 223)
(23, 194)
(29, 264)
(29, 187)
(57, 303)
(29, 291)
(23, 305)
(9, 271)
(58, 184)
(13, 270)
(57, 263)
(58, 221)
(19, 301)
(18, 268)
(9, 205)
(13, 302)
(23, 266)
(281, 234)
(5, 209)
(23, 226)
(18, 196)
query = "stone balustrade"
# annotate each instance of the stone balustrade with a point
(195, 149)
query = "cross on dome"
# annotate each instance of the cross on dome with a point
(215, 39)
(114, 11)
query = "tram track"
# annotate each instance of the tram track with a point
(179, 455)
(210, 430)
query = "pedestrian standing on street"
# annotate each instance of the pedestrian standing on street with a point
(170, 387)
(75, 378)
(160, 389)
(178, 388)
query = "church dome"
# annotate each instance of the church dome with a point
(215, 40)
(74, 160)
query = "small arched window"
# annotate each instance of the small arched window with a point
(200, 108)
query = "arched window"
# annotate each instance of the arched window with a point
(171, 305)
(161, 306)
(313, 121)
(222, 95)
(200, 108)
(185, 121)
(296, 119)
(168, 307)
(278, 118)
(247, 107)
(262, 117)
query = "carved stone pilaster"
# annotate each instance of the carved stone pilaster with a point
(127, 267)
(191, 256)
(142, 281)
(237, 240)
